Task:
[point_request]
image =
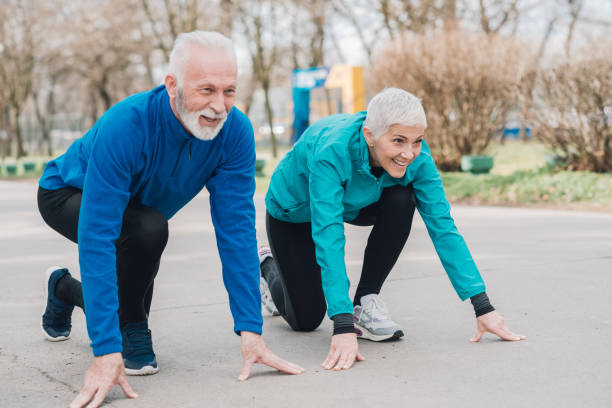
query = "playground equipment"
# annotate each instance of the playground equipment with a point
(349, 79)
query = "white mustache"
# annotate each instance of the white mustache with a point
(209, 113)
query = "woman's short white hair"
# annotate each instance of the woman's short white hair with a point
(183, 43)
(393, 106)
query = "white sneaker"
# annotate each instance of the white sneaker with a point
(372, 320)
(264, 253)
(266, 296)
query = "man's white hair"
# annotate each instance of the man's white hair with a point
(393, 106)
(185, 41)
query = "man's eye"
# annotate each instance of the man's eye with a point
(419, 141)
(230, 91)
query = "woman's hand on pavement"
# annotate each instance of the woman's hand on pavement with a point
(102, 375)
(254, 350)
(343, 352)
(492, 322)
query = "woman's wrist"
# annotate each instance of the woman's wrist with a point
(343, 323)
(481, 304)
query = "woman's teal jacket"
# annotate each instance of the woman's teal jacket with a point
(325, 179)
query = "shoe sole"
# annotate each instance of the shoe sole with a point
(48, 273)
(263, 288)
(367, 335)
(146, 370)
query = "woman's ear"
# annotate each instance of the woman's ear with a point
(369, 136)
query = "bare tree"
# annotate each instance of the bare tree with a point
(575, 7)
(259, 20)
(468, 83)
(17, 62)
(168, 18)
(574, 112)
(110, 59)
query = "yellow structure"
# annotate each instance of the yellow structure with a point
(350, 80)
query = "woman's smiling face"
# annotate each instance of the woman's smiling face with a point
(395, 149)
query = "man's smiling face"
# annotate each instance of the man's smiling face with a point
(207, 91)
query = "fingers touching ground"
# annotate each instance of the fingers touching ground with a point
(102, 375)
(343, 352)
(492, 322)
(255, 351)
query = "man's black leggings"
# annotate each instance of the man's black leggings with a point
(297, 291)
(139, 247)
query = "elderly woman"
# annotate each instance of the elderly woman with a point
(370, 168)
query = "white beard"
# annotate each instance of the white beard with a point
(191, 120)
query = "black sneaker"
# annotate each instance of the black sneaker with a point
(57, 319)
(138, 355)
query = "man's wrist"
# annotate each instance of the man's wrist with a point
(481, 304)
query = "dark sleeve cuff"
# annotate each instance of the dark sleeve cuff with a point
(481, 304)
(343, 323)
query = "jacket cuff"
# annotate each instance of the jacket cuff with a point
(250, 327)
(108, 348)
(343, 323)
(481, 304)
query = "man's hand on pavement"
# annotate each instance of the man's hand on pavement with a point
(343, 352)
(492, 322)
(102, 375)
(254, 350)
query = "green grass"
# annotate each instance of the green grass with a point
(519, 177)
(514, 155)
(545, 187)
(262, 183)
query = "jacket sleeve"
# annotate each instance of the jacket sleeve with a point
(233, 214)
(326, 208)
(449, 244)
(112, 161)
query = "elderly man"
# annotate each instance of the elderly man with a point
(113, 192)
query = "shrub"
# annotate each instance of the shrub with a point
(467, 81)
(574, 109)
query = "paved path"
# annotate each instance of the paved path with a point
(548, 272)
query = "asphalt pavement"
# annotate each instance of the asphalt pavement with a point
(549, 273)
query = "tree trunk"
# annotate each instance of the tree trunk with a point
(266, 89)
(18, 139)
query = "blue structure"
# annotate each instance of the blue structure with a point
(515, 132)
(302, 81)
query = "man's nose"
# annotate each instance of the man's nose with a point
(217, 104)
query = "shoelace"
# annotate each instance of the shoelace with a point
(376, 309)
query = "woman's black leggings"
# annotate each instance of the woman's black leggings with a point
(139, 247)
(297, 291)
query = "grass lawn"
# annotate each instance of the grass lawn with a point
(519, 177)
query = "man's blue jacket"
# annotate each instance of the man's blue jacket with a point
(139, 150)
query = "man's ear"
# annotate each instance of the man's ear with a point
(170, 82)
(369, 136)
